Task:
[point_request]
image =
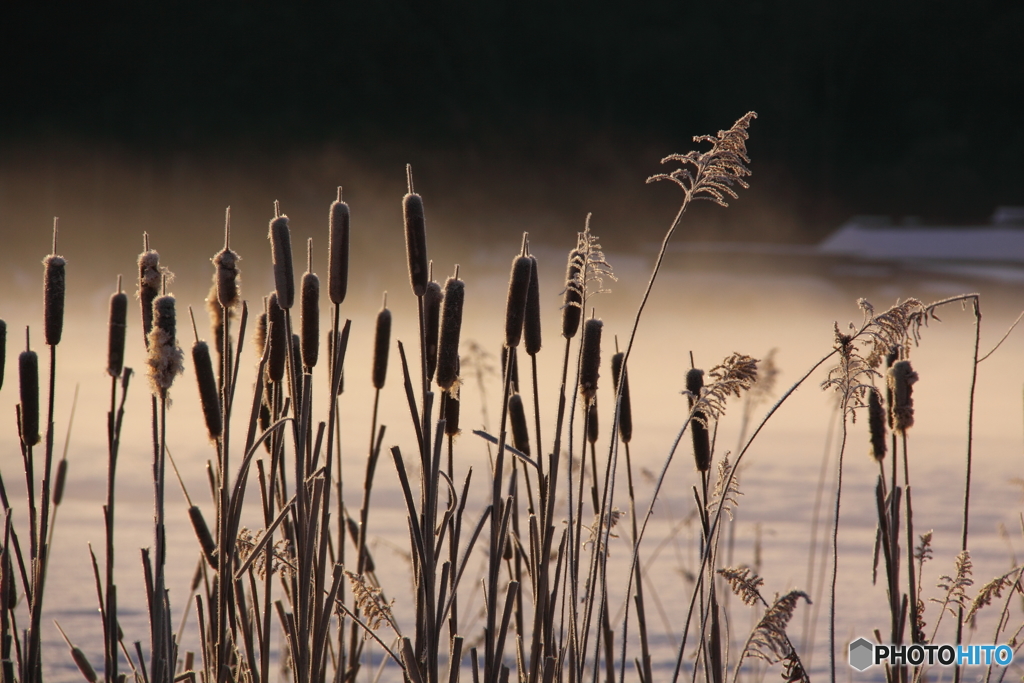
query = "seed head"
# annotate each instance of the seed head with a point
(381, 346)
(876, 425)
(432, 299)
(150, 275)
(901, 381)
(415, 238)
(310, 303)
(209, 397)
(53, 298)
(281, 253)
(592, 425)
(116, 333)
(572, 307)
(206, 542)
(28, 376)
(337, 275)
(451, 412)
(590, 362)
(278, 340)
(517, 416)
(625, 408)
(515, 305)
(531, 324)
(226, 263)
(165, 356)
(260, 336)
(3, 350)
(699, 423)
(448, 337)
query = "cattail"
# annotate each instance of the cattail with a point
(415, 238)
(450, 401)
(876, 425)
(572, 306)
(164, 354)
(592, 426)
(432, 299)
(310, 302)
(53, 298)
(515, 305)
(259, 338)
(265, 423)
(58, 486)
(531, 323)
(226, 262)
(698, 425)
(381, 346)
(150, 275)
(890, 358)
(517, 416)
(625, 408)
(901, 381)
(116, 331)
(591, 358)
(278, 340)
(281, 252)
(216, 312)
(514, 376)
(28, 376)
(82, 662)
(206, 542)
(448, 339)
(337, 275)
(3, 350)
(208, 395)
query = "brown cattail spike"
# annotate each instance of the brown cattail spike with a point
(590, 362)
(520, 431)
(53, 294)
(310, 302)
(572, 306)
(432, 299)
(3, 350)
(164, 354)
(278, 340)
(381, 346)
(28, 376)
(699, 424)
(531, 323)
(149, 285)
(448, 337)
(337, 275)
(259, 338)
(625, 409)
(515, 305)
(116, 332)
(901, 381)
(62, 476)
(281, 253)
(206, 542)
(415, 238)
(876, 425)
(226, 262)
(208, 394)
(592, 425)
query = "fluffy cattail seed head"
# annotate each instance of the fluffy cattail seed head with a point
(901, 381)
(432, 299)
(415, 238)
(448, 337)
(572, 306)
(625, 408)
(876, 425)
(3, 350)
(337, 275)
(310, 302)
(208, 395)
(226, 263)
(149, 286)
(116, 333)
(517, 416)
(28, 376)
(381, 346)
(281, 253)
(515, 305)
(590, 362)
(531, 323)
(164, 354)
(53, 298)
(698, 425)
(278, 340)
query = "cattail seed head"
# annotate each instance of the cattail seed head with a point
(592, 425)
(83, 664)
(259, 338)
(515, 305)
(150, 274)
(208, 394)
(278, 340)
(28, 376)
(381, 346)
(61, 479)
(296, 352)
(165, 355)
(517, 416)
(901, 381)
(216, 312)
(226, 263)
(310, 299)
(281, 252)
(531, 323)
(116, 333)
(3, 350)
(625, 408)
(53, 298)
(337, 275)
(448, 337)
(699, 423)
(265, 423)
(876, 425)
(415, 241)
(890, 358)
(590, 362)
(206, 542)
(450, 402)
(572, 306)
(432, 298)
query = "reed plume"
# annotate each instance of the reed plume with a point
(590, 362)
(28, 376)
(164, 354)
(116, 330)
(448, 338)
(338, 246)
(381, 346)
(310, 304)
(415, 237)
(281, 252)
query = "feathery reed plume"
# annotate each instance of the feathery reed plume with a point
(3, 350)
(590, 363)
(150, 275)
(28, 376)
(53, 294)
(625, 408)
(381, 345)
(116, 330)
(259, 338)
(699, 423)
(901, 380)
(165, 355)
(515, 304)
(281, 252)
(310, 303)
(448, 338)
(415, 237)
(208, 394)
(517, 415)
(592, 425)
(572, 306)
(432, 299)
(278, 339)
(338, 246)
(769, 641)
(876, 425)
(226, 262)
(531, 323)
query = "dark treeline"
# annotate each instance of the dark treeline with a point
(869, 107)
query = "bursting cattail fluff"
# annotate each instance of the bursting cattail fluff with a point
(226, 278)
(337, 275)
(515, 305)
(901, 381)
(53, 298)
(164, 354)
(381, 346)
(150, 274)
(876, 425)
(28, 376)
(310, 301)
(531, 323)
(625, 408)
(698, 425)
(278, 340)
(116, 333)
(208, 394)
(3, 350)
(517, 416)
(432, 299)
(415, 241)
(590, 362)
(448, 337)
(281, 253)
(572, 306)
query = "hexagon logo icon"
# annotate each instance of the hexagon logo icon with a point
(861, 654)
